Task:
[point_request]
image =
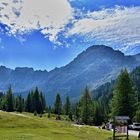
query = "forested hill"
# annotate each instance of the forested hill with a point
(93, 67)
(106, 90)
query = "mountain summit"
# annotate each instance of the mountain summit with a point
(93, 67)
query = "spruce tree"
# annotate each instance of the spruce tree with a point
(43, 101)
(3, 103)
(98, 113)
(67, 106)
(58, 105)
(77, 112)
(86, 107)
(49, 112)
(19, 104)
(32, 102)
(9, 100)
(28, 103)
(137, 116)
(124, 98)
(37, 102)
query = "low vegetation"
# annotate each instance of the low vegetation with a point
(26, 126)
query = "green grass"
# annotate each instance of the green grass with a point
(14, 127)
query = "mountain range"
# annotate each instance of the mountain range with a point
(93, 67)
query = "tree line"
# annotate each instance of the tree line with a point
(35, 102)
(122, 101)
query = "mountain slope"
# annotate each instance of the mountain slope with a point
(93, 67)
(106, 90)
(21, 79)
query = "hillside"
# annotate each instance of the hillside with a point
(93, 67)
(26, 126)
(106, 90)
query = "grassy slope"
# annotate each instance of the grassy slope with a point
(14, 127)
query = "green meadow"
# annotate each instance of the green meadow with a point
(26, 126)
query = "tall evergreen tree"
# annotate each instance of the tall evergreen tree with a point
(58, 105)
(86, 107)
(37, 102)
(32, 102)
(43, 101)
(49, 112)
(19, 104)
(9, 100)
(137, 115)
(3, 103)
(28, 103)
(98, 113)
(124, 98)
(67, 106)
(77, 112)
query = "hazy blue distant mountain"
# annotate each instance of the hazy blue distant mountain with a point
(93, 67)
(137, 57)
(21, 79)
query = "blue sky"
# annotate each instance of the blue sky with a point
(45, 34)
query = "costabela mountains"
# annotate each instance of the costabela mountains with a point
(93, 67)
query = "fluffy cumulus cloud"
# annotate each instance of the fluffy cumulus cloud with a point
(119, 26)
(23, 16)
(59, 21)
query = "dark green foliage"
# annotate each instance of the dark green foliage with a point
(67, 108)
(135, 76)
(3, 102)
(9, 100)
(98, 114)
(43, 101)
(1, 95)
(49, 112)
(28, 103)
(104, 90)
(19, 103)
(35, 102)
(124, 98)
(77, 112)
(137, 115)
(58, 105)
(86, 107)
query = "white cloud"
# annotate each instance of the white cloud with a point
(48, 16)
(118, 26)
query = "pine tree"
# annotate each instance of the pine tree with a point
(32, 102)
(49, 112)
(9, 100)
(3, 103)
(86, 107)
(124, 98)
(23, 104)
(19, 104)
(98, 113)
(58, 105)
(77, 112)
(37, 102)
(28, 103)
(137, 116)
(43, 101)
(67, 106)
